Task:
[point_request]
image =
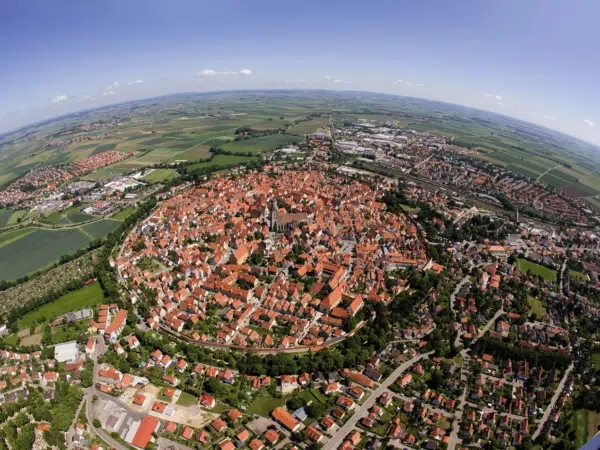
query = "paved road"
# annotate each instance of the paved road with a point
(452, 300)
(559, 390)
(488, 325)
(167, 444)
(361, 412)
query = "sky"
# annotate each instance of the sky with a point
(536, 60)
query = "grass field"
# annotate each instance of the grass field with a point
(37, 249)
(536, 307)
(264, 405)
(585, 423)
(159, 175)
(310, 126)
(186, 399)
(71, 216)
(86, 297)
(223, 160)
(9, 236)
(264, 143)
(100, 229)
(596, 360)
(578, 275)
(5, 216)
(536, 269)
(123, 214)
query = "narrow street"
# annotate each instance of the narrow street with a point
(559, 390)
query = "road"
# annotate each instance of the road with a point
(452, 300)
(559, 390)
(488, 325)
(338, 437)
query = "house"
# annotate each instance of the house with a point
(226, 445)
(256, 444)
(187, 433)
(144, 434)
(113, 331)
(405, 379)
(234, 415)
(218, 424)
(90, 347)
(314, 434)
(67, 352)
(207, 401)
(285, 419)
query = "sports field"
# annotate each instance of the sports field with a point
(578, 275)
(536, 269)
(585, 423)
(86, 297)
(536, 307)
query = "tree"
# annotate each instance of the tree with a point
(97, 423)
(316, 410)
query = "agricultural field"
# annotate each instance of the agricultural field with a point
(18, 247)
(263, 143)
(70, 216)
(123, 214)
(159, 175)
(86, 297)
(97, 230)
(5, 217)
(310, 126)
(184, 126)
(536, 269)
(17, 256)
(224, 160)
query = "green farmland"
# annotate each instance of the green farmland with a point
(264, 143)
(85, 297)
(97, 230)
(38, 248)
(536, 269)
(223, 160)
(159, 175)
(310, 126)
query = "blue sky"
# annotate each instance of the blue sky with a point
(535, 60)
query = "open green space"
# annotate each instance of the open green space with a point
(260, 144)
(38, 248)
(596, 360)
(86, 297)
(5, 216)
(310, 126)
(71, 216)
(186, 399)
(159, 175)
(9, 236)
(124, 213)
(97, 230)
(536, 269)
(585, 423)
(578, 275)
(264, 405)
(223, 160)
(536, 307)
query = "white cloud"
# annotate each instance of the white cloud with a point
(110, 87)
(212, 73)
(107, 93)
(328, 77)
(493, 96)
(343, 81)
(589, 123)
(87, 98)
(131, 83)
(208, 73)
(549, 117)
(419, 85)
(59, 98)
